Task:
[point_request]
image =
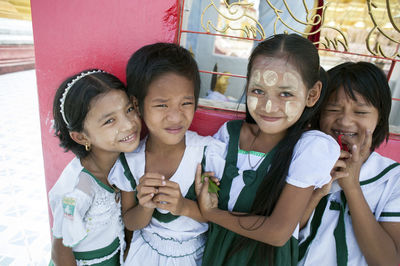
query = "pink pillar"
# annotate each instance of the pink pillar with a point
(74, 35)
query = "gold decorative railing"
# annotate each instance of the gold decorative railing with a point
(379, 20)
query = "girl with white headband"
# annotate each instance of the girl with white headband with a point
(93, 118)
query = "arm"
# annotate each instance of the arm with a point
(337, 172)
(379, 242)
(60, 254)
(274, 230)
(137, 216)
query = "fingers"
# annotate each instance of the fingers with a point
(197, 181)
(152, 179)
(340, 164)
(338, 173)
(365, 147)
(204, 188)
(344, 155)
(215, 180)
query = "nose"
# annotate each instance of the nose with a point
(271, 104)
(345, 119)
(174, 114)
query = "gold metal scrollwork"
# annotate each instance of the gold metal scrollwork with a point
(338, 40)
(236, 12)
(378, 50)
(312, 19)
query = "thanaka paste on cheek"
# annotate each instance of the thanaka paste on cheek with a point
(270, 78)
(268, 106)
(292, 109)
(252, 102)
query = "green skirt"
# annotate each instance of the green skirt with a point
(220, 242)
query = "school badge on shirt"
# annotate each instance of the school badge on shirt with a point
(69, 207)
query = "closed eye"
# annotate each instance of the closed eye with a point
(188, 103)
(109, 121)
(160, 105)
(362, 113)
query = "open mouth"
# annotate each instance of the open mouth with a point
(129, 138)
(345, 134)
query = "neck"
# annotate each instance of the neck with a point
(264, 142)
(155, 145)
(100, 163)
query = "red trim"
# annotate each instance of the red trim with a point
(225, 74)
(222, 35)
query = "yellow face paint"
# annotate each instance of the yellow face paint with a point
(268, 106)
(252, 102)
(270, 78)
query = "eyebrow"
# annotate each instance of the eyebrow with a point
(287, 88)
(162, 100)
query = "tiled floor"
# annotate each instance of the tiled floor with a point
(24, 224)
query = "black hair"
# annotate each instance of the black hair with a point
(303, 55)
(368, 80)
(154, 60)
(77, 105)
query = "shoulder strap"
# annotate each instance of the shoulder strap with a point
(233, 127)
(127, 170)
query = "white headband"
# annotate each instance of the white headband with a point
(69, 86)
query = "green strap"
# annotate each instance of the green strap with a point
(384, 172)
(315, 223)
(340, 231)
(127, 171)
(230, 170)
(98, 253)
(109, 189)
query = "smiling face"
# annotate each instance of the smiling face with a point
(168, 108)
(343, 115)
(112, 123)
(276, 94)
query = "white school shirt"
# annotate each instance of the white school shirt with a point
(380, 184)
(86, 214)
(180, 241)
(314, 156)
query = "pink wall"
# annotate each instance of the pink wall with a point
(74, 35)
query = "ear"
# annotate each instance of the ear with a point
(313, 94)
(79, 137)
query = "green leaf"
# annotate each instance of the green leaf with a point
(212, 187)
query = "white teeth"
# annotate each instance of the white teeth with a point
(344, 133)
(128, 138)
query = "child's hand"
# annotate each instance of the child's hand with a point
(169, 197)
(359, 152)
(149, 185)
(206, 200)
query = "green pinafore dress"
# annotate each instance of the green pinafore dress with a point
(220, 240)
